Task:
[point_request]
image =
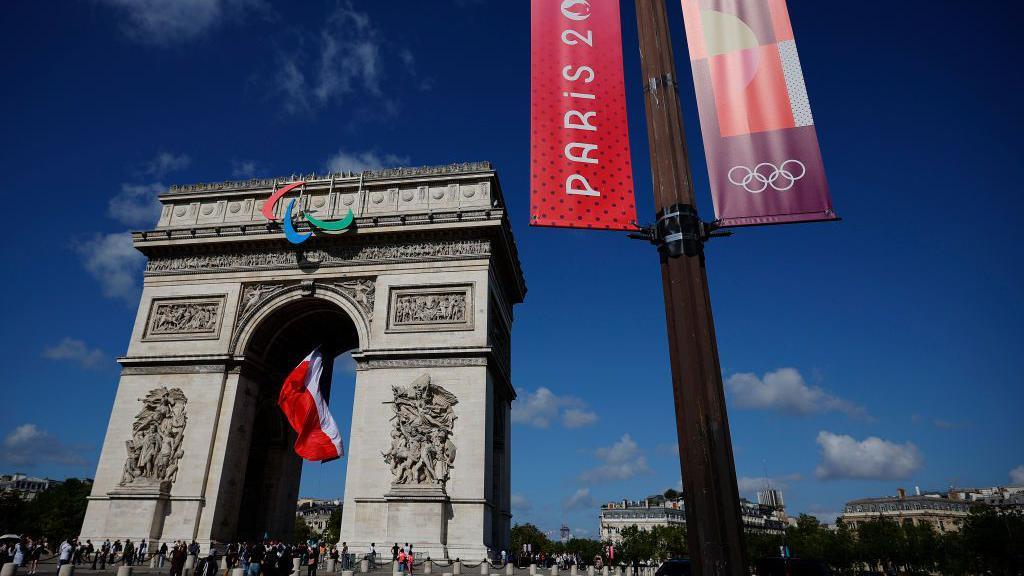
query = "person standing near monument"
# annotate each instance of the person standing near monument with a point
(178, 556)
(312, 560)
(255, 555)
(161, 555)
(372, 556)
(64, 554)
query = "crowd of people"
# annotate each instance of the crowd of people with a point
(261, 558)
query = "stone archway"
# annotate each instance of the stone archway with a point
(421, 290)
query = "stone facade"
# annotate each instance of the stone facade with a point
(420, 289)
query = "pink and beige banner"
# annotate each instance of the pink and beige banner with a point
(762, 149)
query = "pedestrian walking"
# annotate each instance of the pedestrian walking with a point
(178, 556)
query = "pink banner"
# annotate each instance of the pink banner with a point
(580, 175)
(762, 149)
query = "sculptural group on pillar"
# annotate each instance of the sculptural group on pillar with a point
(423, 418)
(157, 434)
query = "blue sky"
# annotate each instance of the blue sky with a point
(879, 352)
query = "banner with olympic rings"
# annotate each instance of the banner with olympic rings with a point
(762, 149)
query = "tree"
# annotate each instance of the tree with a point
(657, 544)
(333, 532)
(302, 530)
(672, 494)
(530, 534)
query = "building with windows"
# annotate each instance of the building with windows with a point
(27, 487)
(317, 513)
(944, 511)
(661, 511)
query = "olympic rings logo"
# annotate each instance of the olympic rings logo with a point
(766, 174)
(330, 227)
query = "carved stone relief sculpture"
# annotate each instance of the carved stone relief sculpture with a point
(429, 308)
(423, 417)
(184, 318)
(156, 443)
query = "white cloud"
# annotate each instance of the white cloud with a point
(359, 161)
(541, 408)
(749, 485)
(347, 60)
(1017, 475)
(77, 351)
(785, 390)
(620, 461)
(166, 162)
(136, 204)
(27, 446)
(520, 503)
(873, 458)
(579, 500)
(577, 418)
(244, 168)
(114, 262)
(175, 21)
(345, 363)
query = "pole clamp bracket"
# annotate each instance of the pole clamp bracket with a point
(679, 231)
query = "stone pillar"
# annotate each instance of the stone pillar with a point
(332, 564)
(66, 570)
(124, 571)
(457, 567)
(485, 568)
(364, 565)
(533, 570)
(9, 569)
(428, 565)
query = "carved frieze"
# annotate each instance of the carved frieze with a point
(156, 443)
(255, 294)
(326, 257)
(361, 291)
(420, 362)
(431, 308)
(184, 318)
(422, 449)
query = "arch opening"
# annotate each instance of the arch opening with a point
(276, 345)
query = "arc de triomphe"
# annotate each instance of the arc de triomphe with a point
(420, 289)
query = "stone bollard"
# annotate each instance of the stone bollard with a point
(124, 571)
(190, 562)
(572, 570)
(66, 570)
(332, 564)
(186, 572)
(296, 566)
(554, 570)
(533, 570)
(394, 566)
(590, 571)
(447, 574)
(10, 569)
(237, 572)
(346, 573)
(364, 565)
(510, 569)
(456, 567)
(485, 568)
(428, 566)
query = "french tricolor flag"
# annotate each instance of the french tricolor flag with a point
(306, 410)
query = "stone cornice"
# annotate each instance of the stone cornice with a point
(412, 173)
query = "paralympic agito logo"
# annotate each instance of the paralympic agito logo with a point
(329, 227)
